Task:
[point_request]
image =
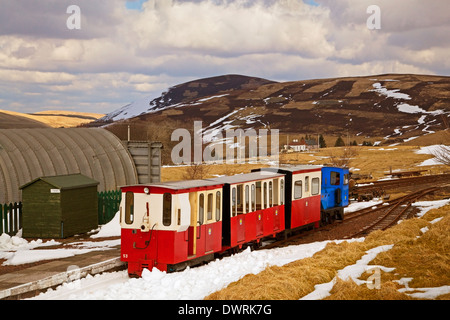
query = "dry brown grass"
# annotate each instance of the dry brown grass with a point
(425, 257)
(369, 160)
(57, 119)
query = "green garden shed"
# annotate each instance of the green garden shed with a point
(59, 206)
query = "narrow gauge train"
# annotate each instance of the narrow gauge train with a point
(175, 224)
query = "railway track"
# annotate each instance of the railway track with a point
(402, 183)
(360, 223)
(389, 215)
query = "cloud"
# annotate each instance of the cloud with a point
(47, 18)
(122, 54)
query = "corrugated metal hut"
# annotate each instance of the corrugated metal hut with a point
(59, 206)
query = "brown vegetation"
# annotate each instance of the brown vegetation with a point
(423, 256)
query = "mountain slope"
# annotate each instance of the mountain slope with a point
(186, 93)
(397, 107)
(43, 119)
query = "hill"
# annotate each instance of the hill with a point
(44, 119)
(390, 108)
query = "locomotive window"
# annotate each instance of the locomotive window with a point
(335, 178)
(201, 208)
(218, 204)
(315, 186)
(233, 202)
(210, 206)
(346, 178)
(282, 191)
(247, 199)
(253, 198)
(129, 207)
(306, 183)
(298, 189)
(265, 195)
(167, 209)
(270, 194)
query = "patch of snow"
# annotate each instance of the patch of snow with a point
(390, 93)
(350, 272)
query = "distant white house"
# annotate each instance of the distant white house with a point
(302, 145)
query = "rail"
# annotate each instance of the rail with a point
(393, 213)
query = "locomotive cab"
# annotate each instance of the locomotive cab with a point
(334, 193)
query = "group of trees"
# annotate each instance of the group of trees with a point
(340, 143)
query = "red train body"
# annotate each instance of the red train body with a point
(175, 224)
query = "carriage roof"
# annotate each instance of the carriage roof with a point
(246, 177)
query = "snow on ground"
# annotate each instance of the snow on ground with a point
(432, 150)
(196, 283)
(355, 206)
(16, 250)
(192, 283)
(353, 272)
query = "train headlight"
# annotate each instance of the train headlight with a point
(146, 190)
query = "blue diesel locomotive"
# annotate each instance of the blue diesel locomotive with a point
(334, 193)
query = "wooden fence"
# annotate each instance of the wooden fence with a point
(10, 218)
(108, 205)
(11, 214)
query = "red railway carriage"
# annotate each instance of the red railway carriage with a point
(302, 194)
(253, 207)
(170, 225)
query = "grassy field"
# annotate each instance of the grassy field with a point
(423, 257)
(376, 161)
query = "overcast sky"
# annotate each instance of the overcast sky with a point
(125, 50)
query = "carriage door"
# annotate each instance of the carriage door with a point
(209, 230)
(275, 194)
(238, 210)
(194, 228)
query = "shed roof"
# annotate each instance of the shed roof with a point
(26, 154)
(65, 182)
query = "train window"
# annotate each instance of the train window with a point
(167, 209)
(298, 189)
(247, 198)
(201, 208)
(240, 198)
(265, 195)
(218, 205)
(282, 191)
(258, 196)
(253, 198)
(346, 178)
(315, 186)
(270, 194)
(209, 213)
(276, 190)
(335, 178)
(233, 202)
(129, 207)
(307, 184)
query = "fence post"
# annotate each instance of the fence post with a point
(20, 215)
(15, 213)
(1, 219)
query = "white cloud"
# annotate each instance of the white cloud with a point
(122, 55)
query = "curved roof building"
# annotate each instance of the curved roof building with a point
(26, 154)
